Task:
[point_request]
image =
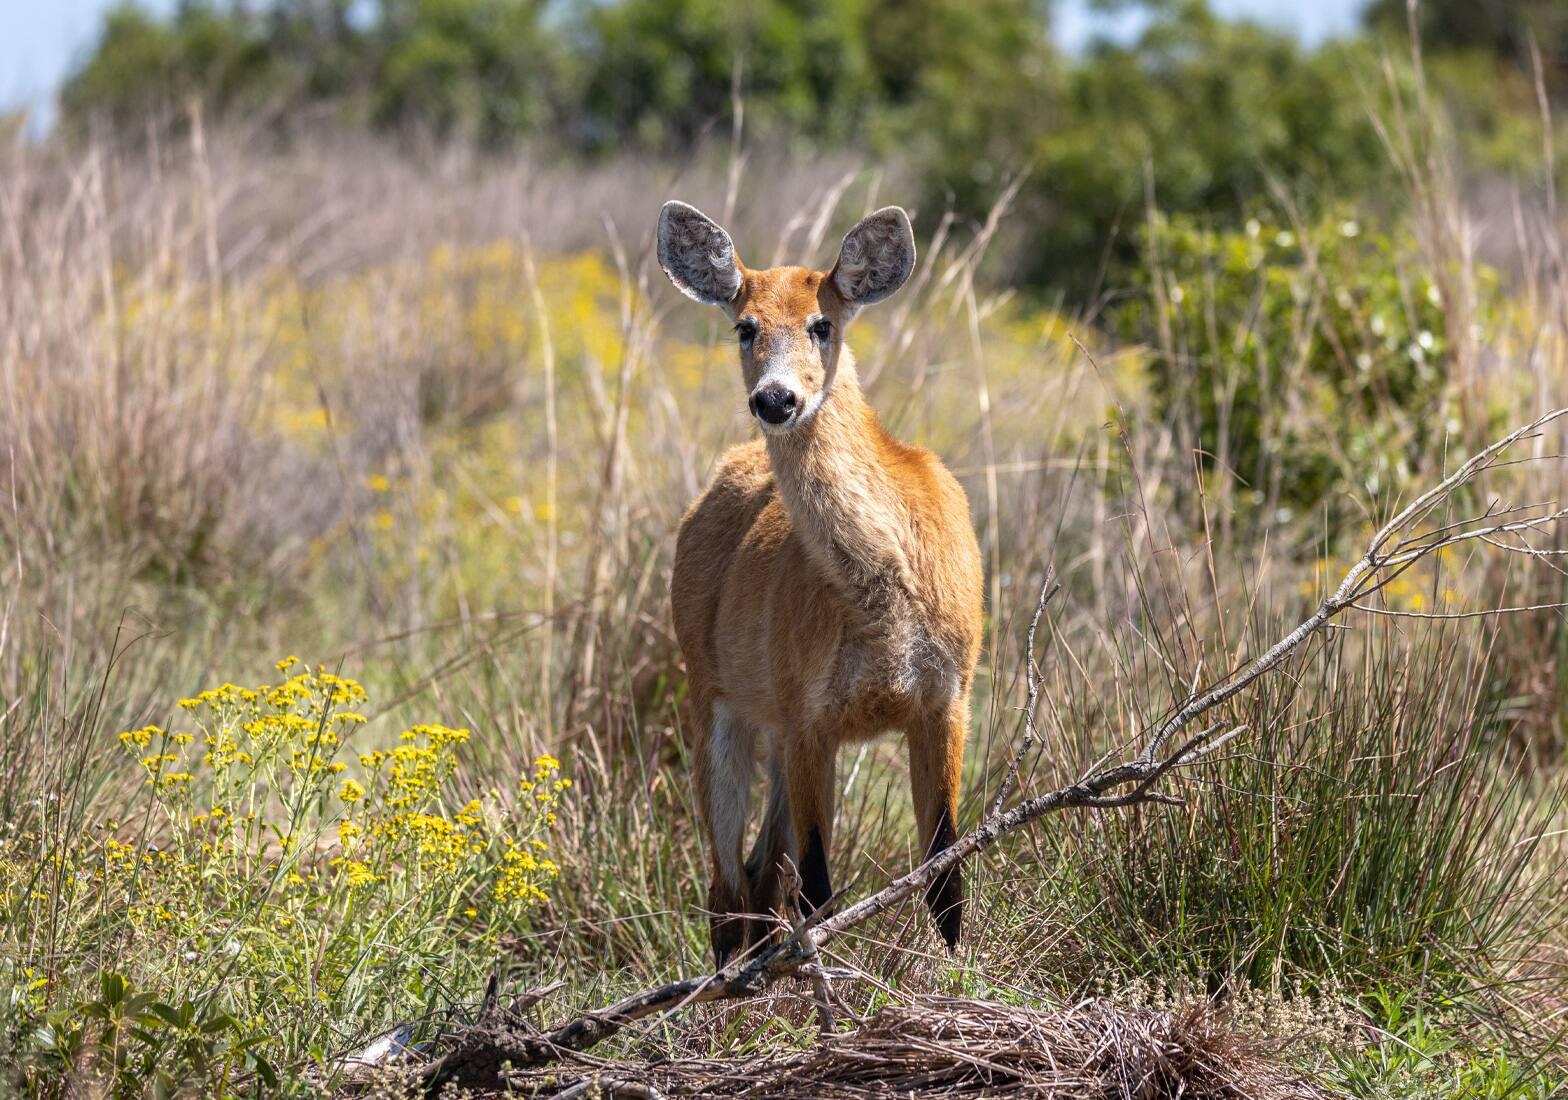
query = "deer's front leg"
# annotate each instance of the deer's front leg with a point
(724, 797)
(936, 762)
(808, 765)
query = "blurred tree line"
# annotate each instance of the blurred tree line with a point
(1196, 114)
(1507, 29)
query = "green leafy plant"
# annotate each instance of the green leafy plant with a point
(136, 1044)
(1416, 1053)
(1312, 362)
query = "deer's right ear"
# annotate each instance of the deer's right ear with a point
(876, 257)
(697, 255)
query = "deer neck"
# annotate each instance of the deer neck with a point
(835, 481)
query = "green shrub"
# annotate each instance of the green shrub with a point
(1505, 29)
(1313, 364)
(488, 70)
(133, 1044)
(143, 65)
(1198, 114)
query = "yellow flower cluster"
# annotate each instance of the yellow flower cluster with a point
(545, 786)
(396, 824)
(521, 872)
(438, 737)
(250, 732)
(440, 846)
(223, 695)
(140, 739)
(274, 829)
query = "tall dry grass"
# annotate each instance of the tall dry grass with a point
(435, 418)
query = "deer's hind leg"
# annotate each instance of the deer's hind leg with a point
(724, 768)
(936, 761)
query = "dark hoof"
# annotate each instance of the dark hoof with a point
(945, 893)
(816, 888)
(945, 897)
(950, 922)
(729, 939)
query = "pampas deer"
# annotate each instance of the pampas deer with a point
(827, 584)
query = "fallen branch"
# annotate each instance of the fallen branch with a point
(1396, 547)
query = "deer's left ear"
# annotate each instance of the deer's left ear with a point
(697, 255)
(875, 258)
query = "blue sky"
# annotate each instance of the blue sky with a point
(41, 39)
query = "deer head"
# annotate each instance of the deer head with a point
(789, 321)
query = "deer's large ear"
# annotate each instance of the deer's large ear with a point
(697, 255)
(876, 257)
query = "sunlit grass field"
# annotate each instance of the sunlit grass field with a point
(338, 492)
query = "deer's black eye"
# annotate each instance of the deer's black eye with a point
(746, 330)
(821, 329)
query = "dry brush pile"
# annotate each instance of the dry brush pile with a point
(944, 1046)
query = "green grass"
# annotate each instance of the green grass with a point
(1414, 1051)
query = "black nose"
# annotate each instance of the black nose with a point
(773, 403)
